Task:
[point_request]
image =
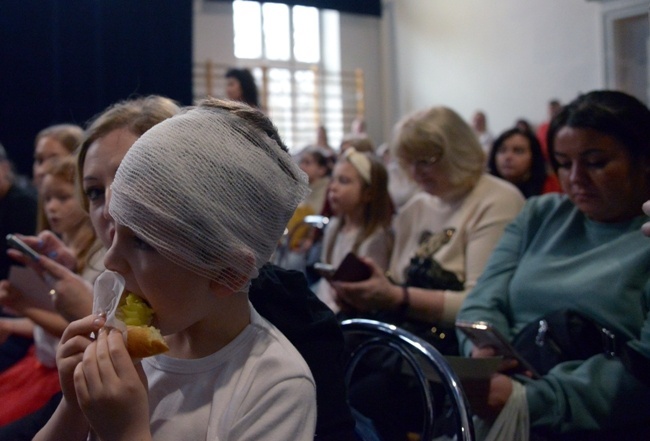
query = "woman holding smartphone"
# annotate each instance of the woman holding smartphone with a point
(579, 251)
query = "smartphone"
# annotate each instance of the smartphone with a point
(483, 334)
(14, 242)
(325, 269)
(352, 269)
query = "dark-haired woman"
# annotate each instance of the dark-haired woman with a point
(240, 86)
(516, 156)
(581, 251)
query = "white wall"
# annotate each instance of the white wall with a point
(507, 57)
(213, 32)
(361, 49)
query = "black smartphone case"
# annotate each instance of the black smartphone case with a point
(352, 269)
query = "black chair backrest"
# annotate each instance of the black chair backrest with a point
(422, 358)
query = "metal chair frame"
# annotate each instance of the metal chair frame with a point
(410, 346)
(315, 221)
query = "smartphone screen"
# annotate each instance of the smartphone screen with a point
(14, 242)
(483, 334)
(324, 269)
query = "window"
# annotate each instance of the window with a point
(282, 46)
(274, 31)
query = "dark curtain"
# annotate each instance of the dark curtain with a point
(66, 60)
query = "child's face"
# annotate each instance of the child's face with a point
(179, 297)
(62, 208)
(47, 150)
(346, 191)
(311, 168)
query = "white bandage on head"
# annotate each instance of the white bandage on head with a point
(210, 191)
(360, 162)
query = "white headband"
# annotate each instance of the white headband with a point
(359, 161)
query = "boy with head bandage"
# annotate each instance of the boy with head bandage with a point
(199, 203)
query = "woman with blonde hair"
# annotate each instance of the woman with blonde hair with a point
(442, 155)
(443, 238)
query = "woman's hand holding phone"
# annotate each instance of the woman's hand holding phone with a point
(507, 364)
(489, 342)
(46, 243)
(376, 292)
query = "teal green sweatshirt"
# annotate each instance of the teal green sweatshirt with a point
(552, 257)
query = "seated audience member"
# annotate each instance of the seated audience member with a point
(516, 156)
(197, 283)
(301, 247)
(358, 196)
(361, 143)
(33, 381)
(240, 86)
(581, 251)
(316, 163)
(443, 156)
(18, 208)
(485, 137)
(553, 108)
(443, 237)
(51, 143)
(322, 140)
(294, 250)
(523, 125)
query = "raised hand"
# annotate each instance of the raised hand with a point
(110, 389)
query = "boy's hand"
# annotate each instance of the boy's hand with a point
(74, 341)
(111, 390)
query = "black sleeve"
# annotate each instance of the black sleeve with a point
(284, 299)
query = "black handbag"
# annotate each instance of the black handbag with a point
(425, 272)
(563, 335)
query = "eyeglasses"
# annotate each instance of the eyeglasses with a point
(420, 164)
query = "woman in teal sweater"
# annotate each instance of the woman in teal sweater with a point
(582, 250)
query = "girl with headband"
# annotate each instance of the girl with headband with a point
(358, 195)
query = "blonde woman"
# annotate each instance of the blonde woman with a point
(443, 156)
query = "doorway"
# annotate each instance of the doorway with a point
(627, 35)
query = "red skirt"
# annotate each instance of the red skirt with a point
(26, 387)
